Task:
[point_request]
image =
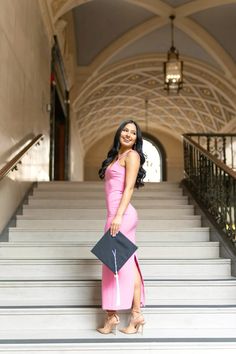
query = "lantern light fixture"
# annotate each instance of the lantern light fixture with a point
(173, 67)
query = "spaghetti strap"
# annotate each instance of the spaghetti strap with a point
(124, 153)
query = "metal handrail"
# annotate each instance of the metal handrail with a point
(213, 185)
(220, 145)
(12, 164)
(216, 161)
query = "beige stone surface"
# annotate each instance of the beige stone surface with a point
(24, 92)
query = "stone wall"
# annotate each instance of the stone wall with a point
(24, 92)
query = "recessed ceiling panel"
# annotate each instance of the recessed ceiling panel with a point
(159, 41)
(220, 22)
(100, 22)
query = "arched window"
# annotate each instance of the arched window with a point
(155, 164)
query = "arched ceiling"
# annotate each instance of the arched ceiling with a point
(104, 27)
(120, 48)
(206, 103)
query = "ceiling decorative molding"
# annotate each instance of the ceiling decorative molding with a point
(56, 6)
(206, 104)
(96, 59)
(60, 7)
(161, 11)
(200, 5)
(201, 36)
(47, 17)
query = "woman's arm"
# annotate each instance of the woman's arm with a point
(132, 166)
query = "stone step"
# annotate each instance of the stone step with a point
(101, 196)
(184, 222)
(74, 194)
(31, 322)
(92, 343)
(18, 234)
(93, 203)
(88, 293)
(60, 185)
(189, 289)
(75, 250)
(90, 269)
(86, 214)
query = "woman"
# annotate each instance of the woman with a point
(122, 171)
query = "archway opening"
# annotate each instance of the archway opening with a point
(153, 164)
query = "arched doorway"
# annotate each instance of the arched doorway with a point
(155, 164)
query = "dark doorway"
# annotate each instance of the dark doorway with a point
(59, 119)
(60, 142)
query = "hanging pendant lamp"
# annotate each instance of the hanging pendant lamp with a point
(173, 67)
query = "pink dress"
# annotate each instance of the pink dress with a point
(114, 187)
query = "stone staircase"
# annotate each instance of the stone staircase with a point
(50, 281)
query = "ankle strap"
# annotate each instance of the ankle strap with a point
(112, 314)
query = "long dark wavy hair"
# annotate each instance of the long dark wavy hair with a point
(113, 153)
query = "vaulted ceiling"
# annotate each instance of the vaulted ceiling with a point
(120, 48)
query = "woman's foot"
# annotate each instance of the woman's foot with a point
(137, 321)
(111, 323)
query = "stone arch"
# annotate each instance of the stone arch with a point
(60, 7)
(162, 152)
(162, 10)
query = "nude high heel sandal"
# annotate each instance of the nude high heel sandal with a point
(136, 322)
(111, 323)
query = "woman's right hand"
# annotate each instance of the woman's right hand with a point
(115, 225)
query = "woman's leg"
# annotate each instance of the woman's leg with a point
(137, 318)
(137, 291)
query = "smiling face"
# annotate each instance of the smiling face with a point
(128, 136)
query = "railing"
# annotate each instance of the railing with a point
(213, 184)
(12, 164)
(222, 146)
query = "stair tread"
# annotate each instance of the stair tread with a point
(75, 309)
(157, 282)
(174, 206)
(94, 261)
(181, 217)
(164, 207)
(38, 197)
(93, 335)
(184, 229)
(86, 243)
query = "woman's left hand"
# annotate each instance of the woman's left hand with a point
(115, 225)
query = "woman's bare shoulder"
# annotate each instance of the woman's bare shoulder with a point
(133, 155)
